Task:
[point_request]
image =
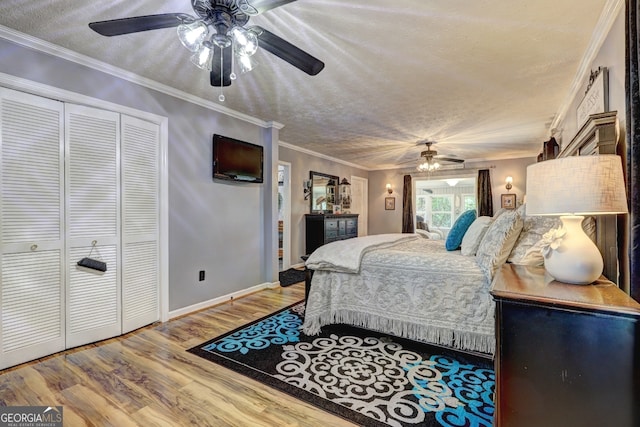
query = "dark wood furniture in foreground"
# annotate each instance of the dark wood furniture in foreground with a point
(324, 228)
(567, 355)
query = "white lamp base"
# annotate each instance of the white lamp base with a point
(577, 260)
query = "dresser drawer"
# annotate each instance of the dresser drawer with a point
(331, 225)
(330, 234)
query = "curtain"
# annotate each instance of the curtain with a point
(632, 85)
(407, 205)
(485, 198)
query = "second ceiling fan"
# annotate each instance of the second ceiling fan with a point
(218, 31)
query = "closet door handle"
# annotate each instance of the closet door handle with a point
(34, 247)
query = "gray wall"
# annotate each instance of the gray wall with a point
(213, 226)
(301, 164)
(612, 56)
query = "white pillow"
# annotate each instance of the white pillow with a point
(474, 234)
(428, 234)
(498, 241)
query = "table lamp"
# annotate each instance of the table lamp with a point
(572, 187)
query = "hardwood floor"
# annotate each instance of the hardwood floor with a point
(147, 378)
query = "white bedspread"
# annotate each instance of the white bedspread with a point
(345, 255)
(413, 289)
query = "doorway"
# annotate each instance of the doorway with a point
(360, 202)
(284, 216)
(439, 202)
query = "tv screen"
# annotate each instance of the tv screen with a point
(237, 160)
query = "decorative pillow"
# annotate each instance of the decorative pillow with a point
(454, 238)
(534, 227)
(589, 227)
(474, 234)
(498, 241)
(428, 234)
(499, 212)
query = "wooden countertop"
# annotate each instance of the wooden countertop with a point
(534, 284)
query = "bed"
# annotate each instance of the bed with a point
(410, 286)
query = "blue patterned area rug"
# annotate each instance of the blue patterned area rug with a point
(368, 378)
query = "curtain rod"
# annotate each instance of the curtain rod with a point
(443, 172)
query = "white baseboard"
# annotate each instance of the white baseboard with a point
(222, 299)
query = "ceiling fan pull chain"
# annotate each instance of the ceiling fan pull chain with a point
(221, 97)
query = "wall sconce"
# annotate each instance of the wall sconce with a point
(389, 190)
(509, 182)
(306, 185)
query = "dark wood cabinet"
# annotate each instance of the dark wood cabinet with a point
(567, 355)
(324, 228)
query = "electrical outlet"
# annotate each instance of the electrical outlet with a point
(201, 276)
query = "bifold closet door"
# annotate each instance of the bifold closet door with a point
(92, 141)
(140, 222)
(31, 211)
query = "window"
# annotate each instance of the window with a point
(439, 202)
(468, 202)
(421, 207)
(441, 211)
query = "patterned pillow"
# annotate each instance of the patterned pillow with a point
(474, 235)
(454, 238)
(499, 212)
(498, 241)
(527, 248)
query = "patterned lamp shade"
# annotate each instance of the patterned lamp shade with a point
(578, 185)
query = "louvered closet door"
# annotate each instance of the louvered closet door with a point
(92, 139)
(31, 211)
(140, 267)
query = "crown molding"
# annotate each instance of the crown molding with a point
(69, 55)
(322, 156)
(603, 27)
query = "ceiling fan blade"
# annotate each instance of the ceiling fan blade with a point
(450, 159)
(135, 24)
(256, 7)
(416, 161)
(288, 52)
(225, 71)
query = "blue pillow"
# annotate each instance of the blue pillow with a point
(454, 239)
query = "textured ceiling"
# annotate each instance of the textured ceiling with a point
(483, 78)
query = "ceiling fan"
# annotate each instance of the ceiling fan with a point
(432, 159)
(216, 33)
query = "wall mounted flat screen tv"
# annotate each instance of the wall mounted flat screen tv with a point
(237, 160)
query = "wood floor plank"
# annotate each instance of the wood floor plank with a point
(147, 378)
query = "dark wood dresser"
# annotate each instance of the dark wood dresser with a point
(324, 228)
(567, 355)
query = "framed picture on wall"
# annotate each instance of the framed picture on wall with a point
(390, 203)
(508, 201)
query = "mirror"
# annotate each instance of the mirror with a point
(323, 192)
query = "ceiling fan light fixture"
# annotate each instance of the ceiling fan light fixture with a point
(246, 42)
(192, 34)
(428, 166)
(246, 63)
(202, 58)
